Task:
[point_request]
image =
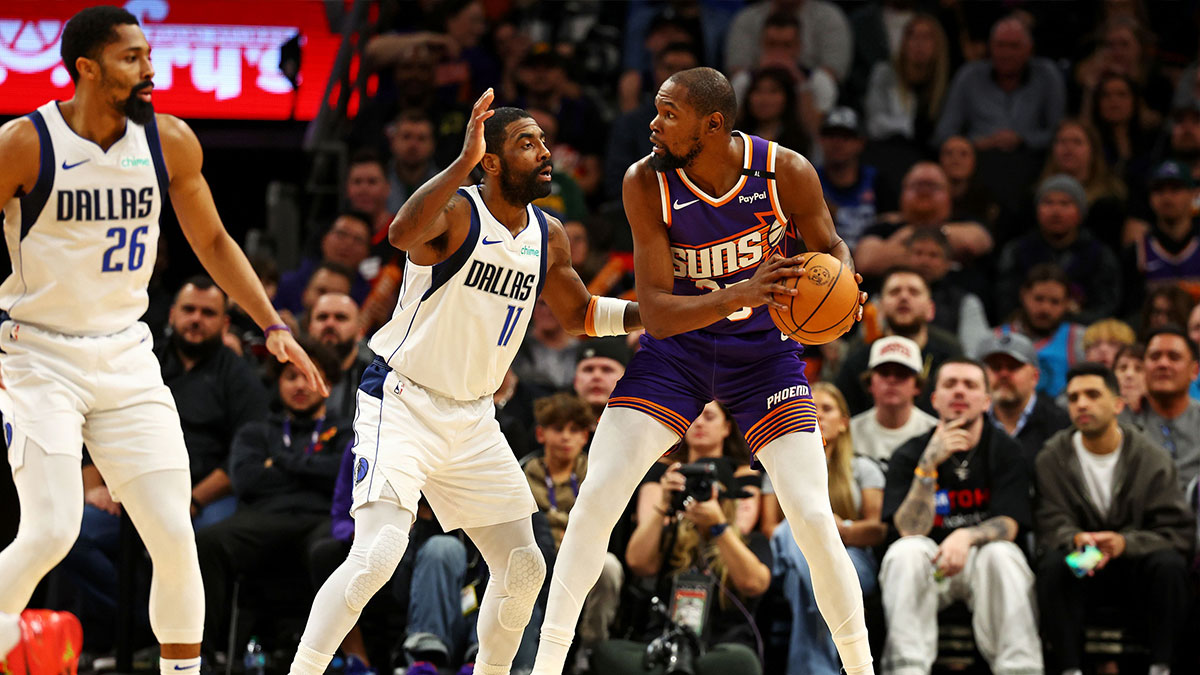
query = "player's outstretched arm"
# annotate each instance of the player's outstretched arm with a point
(664, 313)
(423, 217)
(217, 251)
(580, 312)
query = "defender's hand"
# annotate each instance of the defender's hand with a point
(474, 145)
(285, 348)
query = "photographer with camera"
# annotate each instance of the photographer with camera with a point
(709, 579)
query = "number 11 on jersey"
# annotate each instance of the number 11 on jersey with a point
(510, 325)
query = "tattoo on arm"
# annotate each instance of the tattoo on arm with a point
(1000, 528)
(452, 203)
(915, 515)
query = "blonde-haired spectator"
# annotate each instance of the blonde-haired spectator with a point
(1104, 339)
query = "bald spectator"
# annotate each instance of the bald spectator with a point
(346, 243)
(924, 203)
(907, 308)
(894, 382)
(825, 34)
(1011, 363)
(334, 322)
(1010, 101)
(1092, 270)
(601, 363)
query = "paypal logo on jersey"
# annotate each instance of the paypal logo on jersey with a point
(104, 204)
(750, 199)
(500, 280)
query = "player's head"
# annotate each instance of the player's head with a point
(960, 390)
(333, 320)
(198, 318)
(694, 107)
(516, 155)
(564, 422)
(296, 395)
(105, 52)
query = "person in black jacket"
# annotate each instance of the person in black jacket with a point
(283, 471)
(1012, 369)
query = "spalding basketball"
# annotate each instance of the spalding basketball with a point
(825, 307)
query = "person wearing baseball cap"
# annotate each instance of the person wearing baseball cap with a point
(1169, 253)
(600, 364)
(848, 184)
(893, 379)
(1011, 363)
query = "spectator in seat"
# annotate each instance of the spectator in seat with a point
(600, 363)
(1012, 369)
(905, 95)
(283, 470)
(856, 495)
(957, 310)
(1103, 484)
(1076, 152)
(1168, 254)
(969, 199)
(334, 322)
(413, 144)
(1103, 340)
(368, 192)
(347, 243)
(1169, 417)
(851, 188)
(958, 497)
(1129, 365)
(1093, 273)
(1043, 319)
(825, 35)
(1164, 305)
(772, 109)
(894, 381)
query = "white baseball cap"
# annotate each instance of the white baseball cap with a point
(896, 349)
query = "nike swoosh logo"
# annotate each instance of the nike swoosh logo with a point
(66, 166)
(678, 206)
(197, 665)
(486, 242)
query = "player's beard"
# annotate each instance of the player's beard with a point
(523, 189)
(669, 161)
(196, 351)
(137, 110)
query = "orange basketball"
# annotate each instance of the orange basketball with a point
(825, 307)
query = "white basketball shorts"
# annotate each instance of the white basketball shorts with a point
(104, 391)
(418, 441)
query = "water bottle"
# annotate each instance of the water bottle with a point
(256, 658)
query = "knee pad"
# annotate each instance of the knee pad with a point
(382, 558)
(522, 584)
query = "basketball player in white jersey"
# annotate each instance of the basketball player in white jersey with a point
(82, 183)
(477, 259)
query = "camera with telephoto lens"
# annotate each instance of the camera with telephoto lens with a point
(699, 477)
(683, 637)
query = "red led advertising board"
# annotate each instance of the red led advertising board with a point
(212, 58)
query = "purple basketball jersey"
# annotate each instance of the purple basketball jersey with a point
(742, 361)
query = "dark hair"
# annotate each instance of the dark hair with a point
(678, 46)
(792, 136)
(366, 156)
(1135, 351)
(1046, 272)
(1097, 369)
(933, 234)
(962, 361)
(782, 20)
(89, 31)
(413, 115)
(356, 215)
(495, 129)
(202, 282)
(1107, 138)
(265, 267)
(735, 448)
(708, 92)
(562, 409)
(1173, 329)
(1180, 305)
(902, 269)
(336, 268)
(323, 358)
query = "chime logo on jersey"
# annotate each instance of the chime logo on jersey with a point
(730, 255)
(499, 280)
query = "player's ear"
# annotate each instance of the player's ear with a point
(87, 68)
(716, 123)
(490, 163)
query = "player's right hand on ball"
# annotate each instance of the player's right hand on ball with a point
(761, 288)
(474, 145)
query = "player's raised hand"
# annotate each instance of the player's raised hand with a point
(474, 145)
(761, 288)
(284, 347)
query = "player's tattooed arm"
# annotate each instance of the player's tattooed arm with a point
(425, 216)
(999, 528)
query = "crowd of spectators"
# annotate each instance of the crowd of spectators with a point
(1018, 182)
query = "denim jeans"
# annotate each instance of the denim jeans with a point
(810, 648)
(435, 601)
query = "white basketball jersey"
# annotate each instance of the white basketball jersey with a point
(458, 324)
(84, 239)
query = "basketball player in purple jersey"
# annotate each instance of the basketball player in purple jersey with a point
(706, 268)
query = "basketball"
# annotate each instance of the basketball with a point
(825, 306)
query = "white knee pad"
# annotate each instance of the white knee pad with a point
(382, 558)
(522, 584)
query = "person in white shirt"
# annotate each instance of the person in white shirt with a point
(1103, 484)
(894, 380)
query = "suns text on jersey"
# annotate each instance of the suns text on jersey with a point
(499, 280)
(728, 256)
